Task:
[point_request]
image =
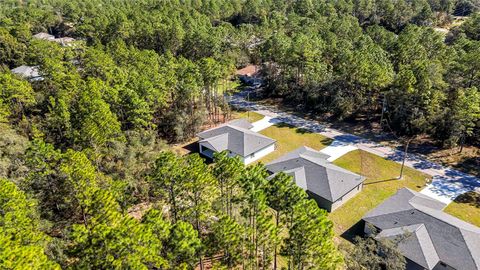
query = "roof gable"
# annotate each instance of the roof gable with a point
(457, 243)
(414, 242)
(319, 175)
(235, 138)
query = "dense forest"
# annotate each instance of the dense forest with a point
(86, 181)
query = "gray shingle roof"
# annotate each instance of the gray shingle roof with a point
(44, 36)
(27, 71)
(64, 41)
(415, 243)
(314, 173)
(236, 137)
(438, 237)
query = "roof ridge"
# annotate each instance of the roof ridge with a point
(430, 239)
(469, 251)
(328, 182)
(419, 206)
(456, 227)
(330, 166)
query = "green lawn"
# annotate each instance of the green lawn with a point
(381, 183)
(466, 207)
(290, 138)
(251, 116)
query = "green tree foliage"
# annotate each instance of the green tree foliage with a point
(12, 150)
(465, 115)
(282, 196)
(227, 171)
(167, 181)
(45, 180)
(16, 96)
(22, 242)
(12, 51)
(86, 141)
(471, 27)
(97, 125)
(227, 237)
(183, 245)
(374, 254)
(310, 244)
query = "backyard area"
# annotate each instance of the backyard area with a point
(290, 138)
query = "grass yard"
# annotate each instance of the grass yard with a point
(290, 138)
(381, 183)
(466, 207)
(251, 116)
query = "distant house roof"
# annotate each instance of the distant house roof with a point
(44, 36)
(64, 41)
(28, 72)
(250, 70)
(236, 137)
(424, 233)
(314, 173)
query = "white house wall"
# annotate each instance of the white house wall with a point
(259, 154)
(246, 160)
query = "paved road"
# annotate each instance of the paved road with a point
(447, 183)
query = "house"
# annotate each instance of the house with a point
(30, 73)
(424, 234)
(237, 138)
(65, 41)
(249, 75)
(248, 71)
(44, 36)
(329, 185)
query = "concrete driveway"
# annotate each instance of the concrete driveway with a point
(264, 123)
(446, 185)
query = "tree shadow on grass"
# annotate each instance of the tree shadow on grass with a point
(471, 198)
(283, 124)
(356, 230)
(326, 141)
(303, 131)
(381, 181)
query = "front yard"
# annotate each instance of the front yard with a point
(466, 207)
(251, 116)
(380, 184)
(381, 174)
(290, 138)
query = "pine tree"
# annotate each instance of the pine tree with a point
(282, 195)
(23, 245)
(310, 242)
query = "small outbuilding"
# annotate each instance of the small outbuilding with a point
(236, 138)
(329, 185)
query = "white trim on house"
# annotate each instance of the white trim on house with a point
(259, 154)
(206, 151)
